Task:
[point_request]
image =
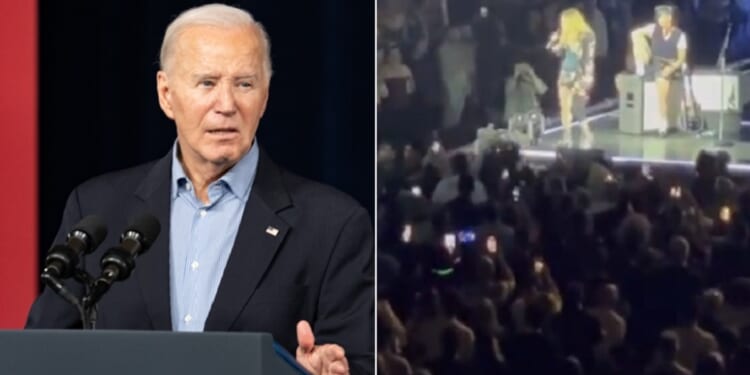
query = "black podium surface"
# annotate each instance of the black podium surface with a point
(142, 352)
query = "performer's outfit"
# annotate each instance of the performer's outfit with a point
(577, 74)
(664, 50)
(577, 67)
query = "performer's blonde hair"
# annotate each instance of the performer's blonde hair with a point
(573, 28)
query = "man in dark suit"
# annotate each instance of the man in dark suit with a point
(245, 245)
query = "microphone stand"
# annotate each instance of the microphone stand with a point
(57, 286)
(89, 310)
(86, 310)
(721, 142)
(121, 258)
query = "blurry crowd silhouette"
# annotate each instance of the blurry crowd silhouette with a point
(488, 265)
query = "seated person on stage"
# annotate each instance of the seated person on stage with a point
(246, 245)
(668, 53)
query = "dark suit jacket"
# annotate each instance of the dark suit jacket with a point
(318, 267)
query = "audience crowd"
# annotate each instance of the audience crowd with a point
(487, 265)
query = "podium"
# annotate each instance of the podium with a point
(142, 352)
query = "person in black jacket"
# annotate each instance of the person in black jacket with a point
(245, 245)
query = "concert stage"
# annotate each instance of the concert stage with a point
(625, 127)
(679, 148)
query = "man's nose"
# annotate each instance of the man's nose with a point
(225, 103)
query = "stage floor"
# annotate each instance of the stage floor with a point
(681, 147)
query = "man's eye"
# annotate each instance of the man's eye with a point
(246, 85)
(207, 83)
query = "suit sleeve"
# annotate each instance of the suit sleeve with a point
(346, 305)
(51, 311)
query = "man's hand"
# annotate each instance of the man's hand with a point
(328, 359)
(667, 72)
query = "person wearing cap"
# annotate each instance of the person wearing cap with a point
(575, 43)
(668, 53)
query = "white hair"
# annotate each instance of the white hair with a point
(218, 15)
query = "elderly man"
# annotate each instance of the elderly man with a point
(668, 50)
(246, 246)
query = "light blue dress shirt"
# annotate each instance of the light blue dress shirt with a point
(201, 237)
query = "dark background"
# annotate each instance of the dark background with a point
(99, 110)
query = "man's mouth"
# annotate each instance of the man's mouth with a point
(222, 131)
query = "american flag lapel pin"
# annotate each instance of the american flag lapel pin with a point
(272, 231)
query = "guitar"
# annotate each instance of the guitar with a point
(693, 112)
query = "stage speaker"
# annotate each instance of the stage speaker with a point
(707, 89)
(639, 107)
(631, 103)
(707, 85)
(639, 111)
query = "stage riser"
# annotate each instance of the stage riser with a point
(639, 111)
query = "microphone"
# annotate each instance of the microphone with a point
(86, 236)
(119, 261)
(553, 39)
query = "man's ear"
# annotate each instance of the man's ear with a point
(165, 94)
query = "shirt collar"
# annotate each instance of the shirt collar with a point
(239, 178)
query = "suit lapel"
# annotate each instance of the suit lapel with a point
(260, 234)
(152, 269)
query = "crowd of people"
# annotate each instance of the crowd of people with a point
(487, 265)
